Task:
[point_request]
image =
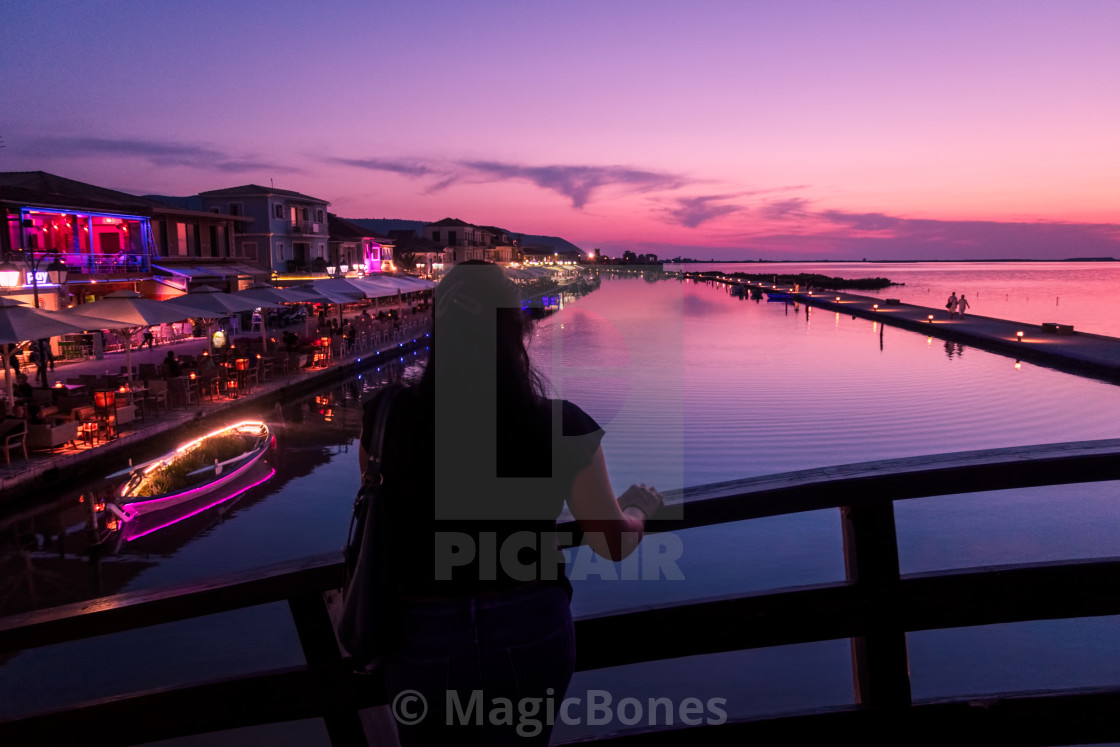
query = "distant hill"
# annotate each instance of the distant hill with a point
(385, 225)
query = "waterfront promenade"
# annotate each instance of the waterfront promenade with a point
(1068, 350)
(46, 470)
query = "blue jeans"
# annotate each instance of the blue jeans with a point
(469, 658)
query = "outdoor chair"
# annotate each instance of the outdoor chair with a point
(157, 393)
(13, 432)
(207, 382)
(47, 436)
(111, 411)
(180, 391)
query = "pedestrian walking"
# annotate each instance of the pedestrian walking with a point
(962, 304)
(951, 304)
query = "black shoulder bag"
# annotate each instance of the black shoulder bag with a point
(367, 624)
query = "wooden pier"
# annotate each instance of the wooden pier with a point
(1051, 344)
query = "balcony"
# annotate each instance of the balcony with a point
(306, 227)
(83, 264)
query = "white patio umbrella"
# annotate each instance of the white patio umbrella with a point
(406, 283)
(350, 286)
(263, 292)
(18, 323)
(209, 304)
(327, 291)
(128, 312)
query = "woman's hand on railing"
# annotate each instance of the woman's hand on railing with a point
(642, 497)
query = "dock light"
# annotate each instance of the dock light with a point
(838, 299)
(58, 385)
(1019, 336)
(193, 375)
(930, 318)
(875, 306)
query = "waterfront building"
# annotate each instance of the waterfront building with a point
(287, 231)
(352, 246)
(108, 240)
(464, 241)
(541, 254)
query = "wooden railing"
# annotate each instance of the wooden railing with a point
(875, 607)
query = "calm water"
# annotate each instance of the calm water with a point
(1079, 293)
(692, 386)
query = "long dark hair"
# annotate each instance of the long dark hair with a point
(479, 340)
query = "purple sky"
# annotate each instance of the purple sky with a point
(784, 130)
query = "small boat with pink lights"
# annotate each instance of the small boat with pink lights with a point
(194, 470)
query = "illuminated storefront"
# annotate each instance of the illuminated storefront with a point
(88, 243)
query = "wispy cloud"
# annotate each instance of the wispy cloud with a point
(157, 153)
(876, 222)
(405, 167)
(579, 183)
(792, 207)
(879, 235)
(694, 211)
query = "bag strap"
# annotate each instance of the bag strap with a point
(377, 434)
(361, 514)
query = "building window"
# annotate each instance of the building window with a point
(215, 210)
(318, 216)
(435, 236)
(182, 240)
(235, 208)
(278, 211)
(248, 250)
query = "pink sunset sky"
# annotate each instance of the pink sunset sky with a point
(731, 130)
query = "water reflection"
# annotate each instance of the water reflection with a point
(953, 349)
(59, 551)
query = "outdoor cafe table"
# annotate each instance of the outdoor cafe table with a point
(136, 395)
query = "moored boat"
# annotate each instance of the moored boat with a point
(778, 296)
(194, 469)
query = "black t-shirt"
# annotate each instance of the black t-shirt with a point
(471, 512)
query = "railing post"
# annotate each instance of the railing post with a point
(324, 660)
(880, 667)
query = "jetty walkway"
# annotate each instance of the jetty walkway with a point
(1053, 345)
(44, 471)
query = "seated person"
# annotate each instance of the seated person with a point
(22, 388)
(171, 365)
